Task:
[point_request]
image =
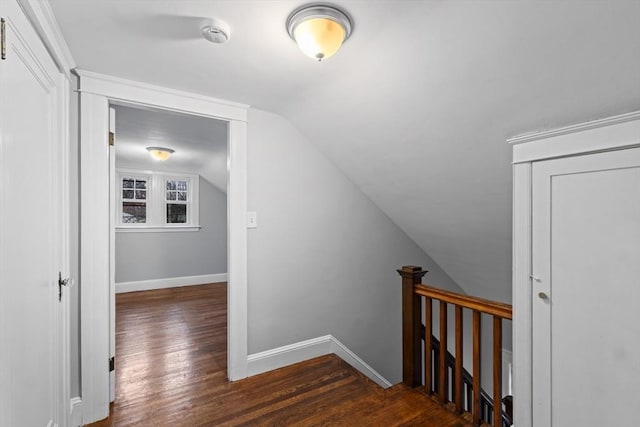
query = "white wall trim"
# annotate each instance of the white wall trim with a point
(522, 323)
(158, 229)
(97, 92)
(352, 359)
(75, 410)
(42, 18)
(612, 133)
(578, 127)
(119, 89)
(94, 256)
(280, 357)
(169, 282)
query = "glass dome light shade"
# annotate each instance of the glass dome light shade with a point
(160, 153)
(319, 30)
(319, 38)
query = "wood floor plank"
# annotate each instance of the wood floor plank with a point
(171, 371)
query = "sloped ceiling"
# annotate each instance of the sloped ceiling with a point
(200, 143)
(415, 108)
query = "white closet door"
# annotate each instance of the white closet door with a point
(586, 290)
(31, 247)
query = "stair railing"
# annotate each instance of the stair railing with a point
(436, 372)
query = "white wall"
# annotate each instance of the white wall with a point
(161, 255)
(323, 258)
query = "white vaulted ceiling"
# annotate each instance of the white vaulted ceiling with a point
(415, 108)
(200, 143)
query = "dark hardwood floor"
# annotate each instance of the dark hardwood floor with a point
(171, 371)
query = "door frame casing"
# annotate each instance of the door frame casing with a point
(613, 133)
(97, 92)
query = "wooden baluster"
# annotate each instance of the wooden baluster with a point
(428, 344)
(411, 345)
(497, 371)
(459, 355)
(476, 367)
(442, 392)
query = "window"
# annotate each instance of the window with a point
(157, 201)
(177, 201)
(134, 199)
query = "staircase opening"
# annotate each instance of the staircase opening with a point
(427, 362)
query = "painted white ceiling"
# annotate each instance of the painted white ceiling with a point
(200, 143)
(415, 108)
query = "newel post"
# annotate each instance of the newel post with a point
(411, 313)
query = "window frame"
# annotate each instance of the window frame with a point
(156, 202)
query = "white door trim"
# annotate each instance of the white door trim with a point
(44, 21)
(613, 133)
(96, 92)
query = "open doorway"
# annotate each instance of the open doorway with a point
(97, 92)
(169, 250)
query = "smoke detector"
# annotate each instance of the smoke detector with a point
(217, 32)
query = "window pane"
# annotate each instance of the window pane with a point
(134, 212)
(176, 214)
(141, 184)
(141, 194)
(181, 185)
(127, 194)
(171, 185)
(127, 183)
(182, 195)
(171, 195)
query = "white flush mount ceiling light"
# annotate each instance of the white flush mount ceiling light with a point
(160, 153)
(218, 32)
(319, 29)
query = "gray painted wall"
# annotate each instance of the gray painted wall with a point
(146, 256)
(323, 258)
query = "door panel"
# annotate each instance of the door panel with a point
(586, 247)
(30, 241)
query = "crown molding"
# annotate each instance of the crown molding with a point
(578, 127)
(612, 133)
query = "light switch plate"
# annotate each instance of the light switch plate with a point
(252, 220)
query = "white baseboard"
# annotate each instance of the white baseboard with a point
(507, 371)
(299, 352)
(75, 419)
(352, 359)
(171, 282)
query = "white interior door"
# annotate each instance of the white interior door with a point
(31, 245)
(586, 290)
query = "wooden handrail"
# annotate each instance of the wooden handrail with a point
(474, 303)
(418, 297)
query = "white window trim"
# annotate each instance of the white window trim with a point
(157, 229)
(156, 202)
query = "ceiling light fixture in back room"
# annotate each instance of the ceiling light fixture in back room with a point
(160, 153)
(319, 29)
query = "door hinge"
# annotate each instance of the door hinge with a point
(112, 138)
(112, 364)
(3, 39)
